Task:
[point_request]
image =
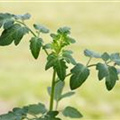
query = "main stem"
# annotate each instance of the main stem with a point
(52, 91)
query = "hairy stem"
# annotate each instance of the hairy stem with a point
(52, 91)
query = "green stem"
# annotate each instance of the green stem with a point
(91, 65)
(52, 91)
(88, 61)
(27, 27)
(22, 23)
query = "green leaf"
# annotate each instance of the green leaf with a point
(36, 109)
(71, 112)
(109, 73)
(102, 70)
(60, 68)
(47, 46)
(90, 53)
(68, 57)
(4, 18)
(35, 46)
(115, 57)
(55, 36)
(8, 116)
(111, 78)
(64, 30)
(52, 114)
(14, 33)
(71, 40)
(51, 60)
(65, 95)
(8, 23)
(79, 74)
(105, 56)
(58, 90)
(25, 16)
(41, 28)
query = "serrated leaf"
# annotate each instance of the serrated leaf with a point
(35, 46)
(4, 17)
(115, 57)
(25, 16)
(64, 30)
(8, 23)
(68, 57)
(36, 109)
(109, 73)
(14, 33)
(41, 28)
(105, 56)
(102, 70)
(51, 60)
(65, 95)
(71, 112)
(90, 53)
(79, 74)
(60, 67)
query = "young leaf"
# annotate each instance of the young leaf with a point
(105, 56)
(68, 57)
(35, 46)
(71, 112)
(16, 33)
(26, 16)
(36, 109)
(71, 40)
(60, 68)
(41, 28)
(55, 36)
(109, 73)
(65, 95)
(90, 53)
(51, 60)
(115, 57)
(79, 74)
(64, 30)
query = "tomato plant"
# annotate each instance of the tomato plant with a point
(59, 59)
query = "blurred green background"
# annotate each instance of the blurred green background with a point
(95, 26)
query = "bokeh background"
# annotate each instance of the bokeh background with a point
(95, 26)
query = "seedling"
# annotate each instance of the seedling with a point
(59, 59)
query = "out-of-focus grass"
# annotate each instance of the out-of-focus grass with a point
(95, 26)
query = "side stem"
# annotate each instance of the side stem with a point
(52, 91)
